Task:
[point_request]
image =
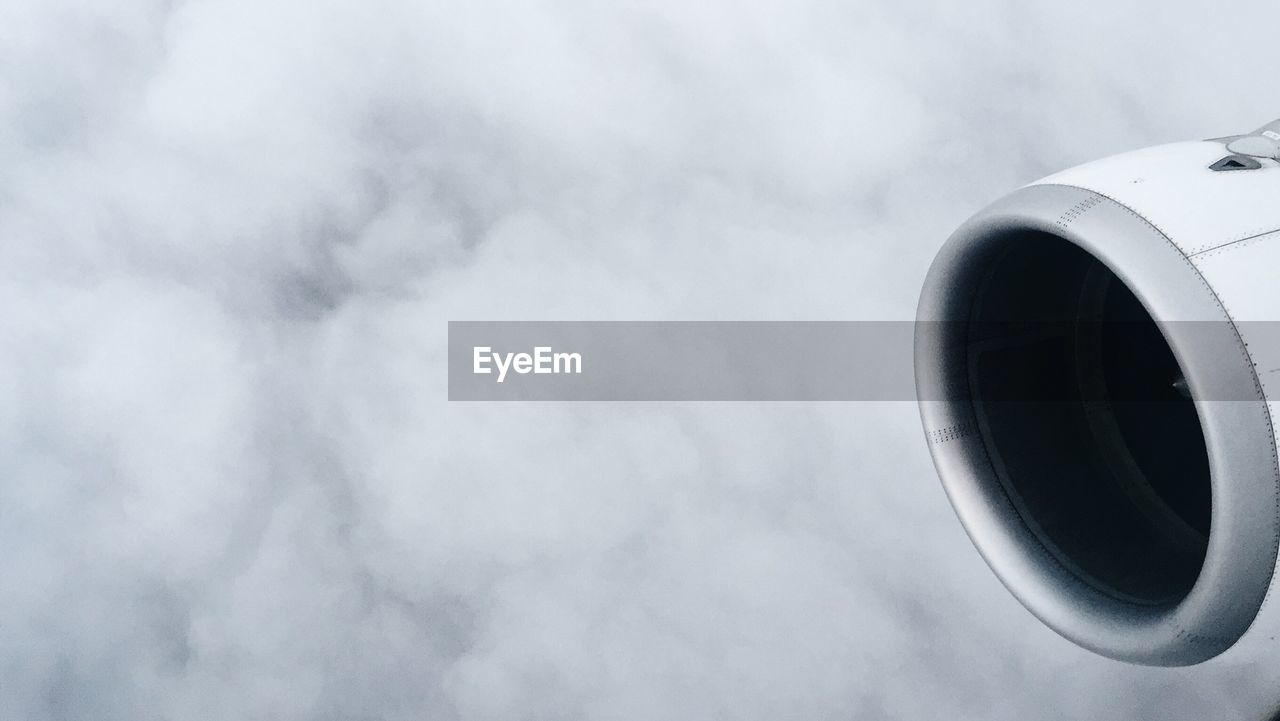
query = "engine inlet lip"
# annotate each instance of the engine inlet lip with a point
(1245, 484)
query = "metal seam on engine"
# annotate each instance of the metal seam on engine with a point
(1248, 234)
(952, 433)
(1232, 245)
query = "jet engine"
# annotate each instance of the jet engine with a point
(1097, 365)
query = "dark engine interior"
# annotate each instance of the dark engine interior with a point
(1088, 422)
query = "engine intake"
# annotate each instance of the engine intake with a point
(1097, 422)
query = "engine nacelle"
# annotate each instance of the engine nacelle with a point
(1096, 369)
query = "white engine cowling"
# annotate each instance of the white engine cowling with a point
(1123, 484)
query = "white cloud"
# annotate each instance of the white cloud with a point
(231, 235)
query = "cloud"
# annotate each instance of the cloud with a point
(232, 235)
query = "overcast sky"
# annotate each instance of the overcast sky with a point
(231, 235)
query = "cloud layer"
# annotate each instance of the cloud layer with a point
(231, 235)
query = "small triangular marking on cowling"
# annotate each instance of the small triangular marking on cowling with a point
(1236, 162)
